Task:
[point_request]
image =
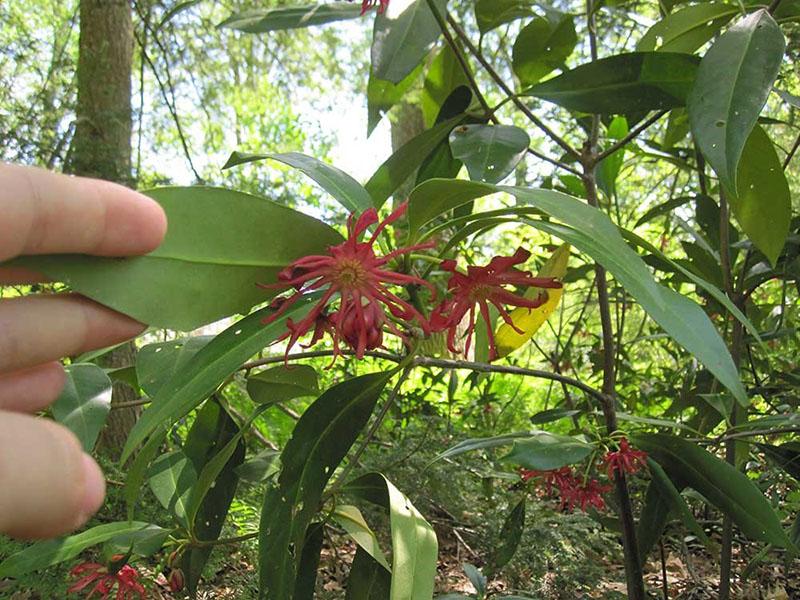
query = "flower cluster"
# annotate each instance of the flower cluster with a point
(574, 491)
(103, 581)
(624, 460)
(359, 278)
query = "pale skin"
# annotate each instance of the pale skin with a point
(48, 485)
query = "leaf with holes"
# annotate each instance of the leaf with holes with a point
(490, 152)
(543, 46)
(687, 29)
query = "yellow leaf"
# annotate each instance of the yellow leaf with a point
(530, 320)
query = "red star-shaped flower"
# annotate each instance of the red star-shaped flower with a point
(352, 272)
(368, 4)
(625, 460)
(478, 288)
(103, 582)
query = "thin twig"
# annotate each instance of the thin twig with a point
(792, 152)
(634, 133)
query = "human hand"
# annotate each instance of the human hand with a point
(48, 485)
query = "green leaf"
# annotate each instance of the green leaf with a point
(343, 188)
(171, 477)
(786, 456)
(351, 519)
(553, 414)
(414, 545)
(591, 231)
(290, 17)
(185, 284)
(259, 467)
(41, 555)
(367, 580)
(490, 152)
(283, 383)
(763, 206)
(403, 36)
(157, 363)
(444, 75)
(622, 84)
(677, 129)
(733, 83)
(687, 29)
(476, 578)
(321, 439)
(545, 451)
(309, 563)
(490, 14)
(653, 519)
(383, 95)
(482, 444)
(142, 542)
(211, 365)
(541, 47)
(665, 208)
(402, 164)
(509, 539)
(137, 471)
(84, 403)
(730, 490)
(435, 197)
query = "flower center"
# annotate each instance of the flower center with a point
(350, 274)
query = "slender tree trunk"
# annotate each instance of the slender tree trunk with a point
(101, 146)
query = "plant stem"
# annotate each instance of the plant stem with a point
(634, 133)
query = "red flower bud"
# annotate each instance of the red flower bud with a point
(176, 580)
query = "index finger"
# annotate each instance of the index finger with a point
(47, 213)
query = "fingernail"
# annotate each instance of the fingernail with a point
(94, 487)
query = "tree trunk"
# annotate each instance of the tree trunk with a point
(101, 147)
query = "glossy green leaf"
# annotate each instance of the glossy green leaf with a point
(545, 451)
(689, 28)
(591, 231)
(185, 284)
(722, 484)
(436, 197)
(84, 403)
(343, 188)
(352, 521)
(490, 152)
(763, 205)
(483, 444)
(142, 542)
(444, 75)
(259, 467)
(383, 95)
(509, 538)
(320, 441)
(622, 84)
(414, 544)
(733, 83)
(403, 36)
(41, 555)
(263, 20)
(211, 365)
(402, 164)
(157, 363)
(367, 580)
(283, 383)
(491, 14)
(171, 477)
(553, 414)
(541, 47)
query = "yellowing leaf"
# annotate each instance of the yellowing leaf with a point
(529, 320)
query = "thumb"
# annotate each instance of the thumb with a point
(48, 485)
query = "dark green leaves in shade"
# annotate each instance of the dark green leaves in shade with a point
(383, 95)
(263, 20)
(509, 538)
(444, 75)
(623, 84)
(543, 46)
(157, 363)
(733, 83)
(689, 28)
(545, 451)
(763, 204)
(414, 544)
(403, 36)
(492, 13)
(84, 402)
(402, 164)
(343, 188)
(591, 231)
(185, 284)
(786, 456)
(41, 555)
(490, 152)
(727, 488)
(283, 383)
(171, 478)
(653, 519)
(320, 441)
(367, 580)
(207, 370)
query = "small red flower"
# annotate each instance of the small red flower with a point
(573, 491)
(126, 580)
(368, 4)
(357, 275)
(482, 286)
(624, 460)
(175, 580)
